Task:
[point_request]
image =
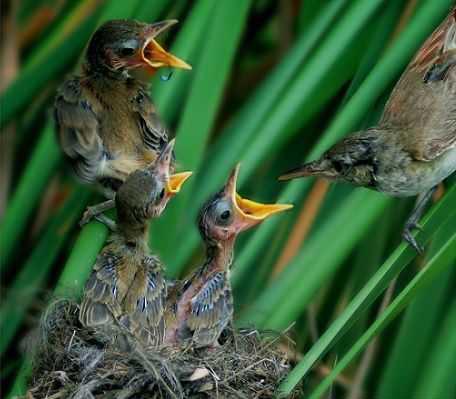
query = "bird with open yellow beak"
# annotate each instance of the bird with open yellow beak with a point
(126, 288)
(204, 306)
(107, 124)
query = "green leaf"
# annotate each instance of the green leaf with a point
(438, 377)
(394, 264)
(38, 170)
(169, 96)
(37, 268)
(200, 111)
(291, 292)
(443, 259)
(50, 62)
(417, 332)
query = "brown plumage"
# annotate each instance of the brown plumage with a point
(126, 287)
(205, 306)
(107, 124)
(413, 148)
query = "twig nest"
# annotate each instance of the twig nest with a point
(72, 362)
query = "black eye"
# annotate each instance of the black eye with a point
(338, 166)
(221, 213)
(162, 193)
(127, 51)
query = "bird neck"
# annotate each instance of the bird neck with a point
(108, 78)
(134, 234)
(101, 72)
(219, 255)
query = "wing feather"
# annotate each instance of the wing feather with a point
(77, 127)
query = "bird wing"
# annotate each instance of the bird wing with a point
(423, 102)
(100, 303)
(154, 132)
(211, 304)
(435, 47)
(144, 304)
(77, 127)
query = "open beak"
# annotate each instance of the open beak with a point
(175, 182)
(320, 168)
(153, 54)
(249, 213)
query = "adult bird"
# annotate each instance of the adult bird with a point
(204, 306)
(126, 289)
(413, 147)
(107, 124)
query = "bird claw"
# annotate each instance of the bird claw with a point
(93, 213)
(87, 216)
(408, 236)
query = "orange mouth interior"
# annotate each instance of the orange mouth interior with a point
(156, 56)
(176, 181)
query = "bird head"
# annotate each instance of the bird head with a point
(125, 46)
(146, 192)
(352, 159)
(226, 214)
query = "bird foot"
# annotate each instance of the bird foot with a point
(96, 212)
(408, 236)
(88, 215)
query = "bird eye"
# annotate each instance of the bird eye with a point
(338, 166)
(162, 193)
(222, 214)
(127, 51)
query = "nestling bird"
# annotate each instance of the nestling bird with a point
(205, 305)
(413, 148)
(107, 125)
(126, 287)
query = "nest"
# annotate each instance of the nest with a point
(71, 362)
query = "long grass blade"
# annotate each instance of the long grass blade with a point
(440, 262)
(37, 268)
(39, 169)
(394, 264)
(227, 23)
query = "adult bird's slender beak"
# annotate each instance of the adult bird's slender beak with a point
(249, 213)
(154, 55)
(320, 168)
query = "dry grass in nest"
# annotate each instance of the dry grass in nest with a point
(71, 363)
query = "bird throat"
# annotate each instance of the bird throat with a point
(219, 255)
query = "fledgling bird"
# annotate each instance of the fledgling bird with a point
(205, 306)
(107, 124)
(413, 147)
(126, 288)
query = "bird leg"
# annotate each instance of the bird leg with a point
(108, 222)
(96, 211)
(412, 221)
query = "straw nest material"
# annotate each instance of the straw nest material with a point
(71, 362)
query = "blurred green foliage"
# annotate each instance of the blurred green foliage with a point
(273, 84)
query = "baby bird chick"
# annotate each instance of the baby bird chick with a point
(107, 124)
(205, 306)
(126, 286)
